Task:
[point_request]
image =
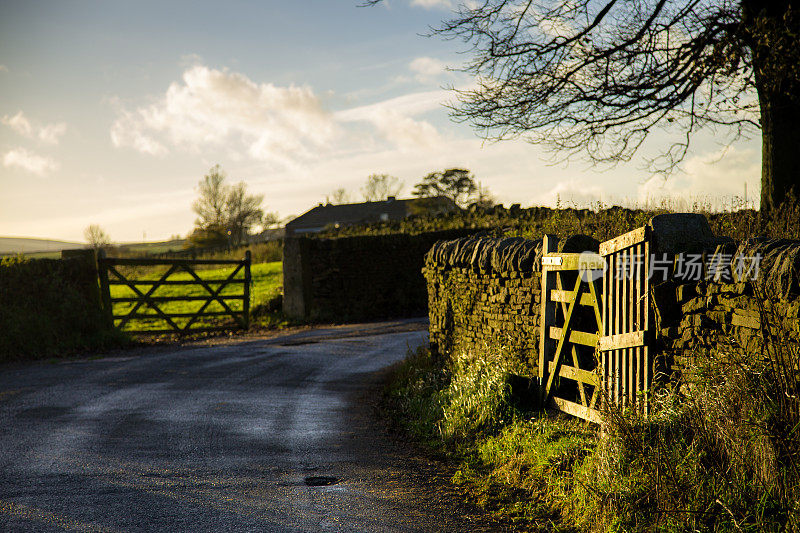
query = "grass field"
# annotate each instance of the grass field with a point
(267, 281)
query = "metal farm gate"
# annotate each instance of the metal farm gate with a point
(594, 326)
(157, 296)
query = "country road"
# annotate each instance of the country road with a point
(227, 437)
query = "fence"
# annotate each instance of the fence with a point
(170, 301)
(625, 354)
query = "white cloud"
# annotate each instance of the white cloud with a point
(3, 68)
(404, 131)
(128, 130)
(430, 4)
(571, 192)
(51, 132)
(426, 69)
(19, 123)
(409, 104)
(48, 133)
(28, 161)
(393, 118)
(215, 107)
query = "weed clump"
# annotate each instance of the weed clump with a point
(720, 453)
(516, 464)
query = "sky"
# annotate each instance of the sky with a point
(111, 112)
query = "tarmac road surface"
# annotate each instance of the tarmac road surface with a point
(272, 434)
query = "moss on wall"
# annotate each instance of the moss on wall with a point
(485, 291)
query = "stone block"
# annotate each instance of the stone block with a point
(670, 333)
(682, 232)
(685, 292)
(748, 321)
(718, 316)
(693, 306)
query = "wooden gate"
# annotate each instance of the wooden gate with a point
(625, 357)
(155, 304)
(604, 354)
(570, 324)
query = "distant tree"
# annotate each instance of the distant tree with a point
(96, 236)
(226, 213)
(483, 196)
(340, 196)
(458, 184)
(210, 206)
(207, 236)
(243, 211)
(380, 187)
(271, 219)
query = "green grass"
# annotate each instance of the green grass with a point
(520, 466)
(721, 455)
(267, 281)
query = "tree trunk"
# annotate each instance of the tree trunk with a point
(780, 148)
(772, 27)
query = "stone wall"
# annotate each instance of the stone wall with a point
(488, 290)
(485, 290)
(728, 308)
(51, 307)
(357, 278)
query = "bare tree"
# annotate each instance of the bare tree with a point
(96, 236)
(242, 212)
(271, 219)
(457, 184)
(380, 187)
(226, 213)
(210, 205)
(340, 196)
(597, 77)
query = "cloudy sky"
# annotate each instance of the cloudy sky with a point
(112, 111)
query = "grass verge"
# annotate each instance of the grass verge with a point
(720, 454)
(516, 464)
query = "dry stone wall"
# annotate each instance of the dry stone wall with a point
(357, 278)
(732, 305)
(482, 291)
(485, 290)
(51, 307)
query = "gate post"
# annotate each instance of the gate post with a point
(105, 288)
(247, 281)
(547, 316)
